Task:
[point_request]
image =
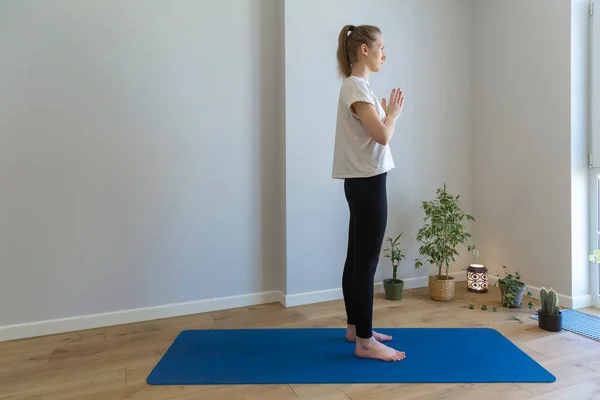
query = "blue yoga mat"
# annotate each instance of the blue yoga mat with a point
(323, 356)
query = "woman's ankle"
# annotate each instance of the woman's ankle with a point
(365, 342)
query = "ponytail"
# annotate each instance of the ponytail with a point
(344, 66)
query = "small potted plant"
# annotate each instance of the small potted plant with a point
(393, 287)
(549, 316)
(512, 289)
(440, 236)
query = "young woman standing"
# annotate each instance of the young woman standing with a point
(362, 158)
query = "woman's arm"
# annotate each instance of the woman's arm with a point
(380, 131)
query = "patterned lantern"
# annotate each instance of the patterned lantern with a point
(477, 279)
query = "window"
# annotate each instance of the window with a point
(594, 147)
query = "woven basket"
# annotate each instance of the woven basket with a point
(441, 289)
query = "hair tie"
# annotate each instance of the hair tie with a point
(352, 27)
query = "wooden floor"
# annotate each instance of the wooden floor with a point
(112, 363)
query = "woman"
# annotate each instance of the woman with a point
(362, 158)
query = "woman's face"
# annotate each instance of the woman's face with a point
(374, 55)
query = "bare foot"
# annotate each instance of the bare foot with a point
(371, 348)
(351, 335)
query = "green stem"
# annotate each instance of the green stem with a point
(444, 244)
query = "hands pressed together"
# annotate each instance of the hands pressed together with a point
(393, 108)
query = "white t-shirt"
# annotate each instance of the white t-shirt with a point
(356, 154)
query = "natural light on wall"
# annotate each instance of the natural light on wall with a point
(594, 147)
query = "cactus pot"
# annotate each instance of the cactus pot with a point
(551, 323)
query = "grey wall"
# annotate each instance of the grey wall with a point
(140, 160)
(429, 57)
(530, 113)
(154, 153)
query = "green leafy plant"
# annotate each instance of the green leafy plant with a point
(512, 289)
(443, 232)
(395, 254)
(549, 301)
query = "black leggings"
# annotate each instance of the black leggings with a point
(367, 200)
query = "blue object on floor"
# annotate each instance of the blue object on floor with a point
(581, 323)
(323, 356)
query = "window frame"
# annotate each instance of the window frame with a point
(595, 234)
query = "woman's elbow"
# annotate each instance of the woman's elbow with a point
(381, 138)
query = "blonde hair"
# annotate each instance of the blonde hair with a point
(349, 42)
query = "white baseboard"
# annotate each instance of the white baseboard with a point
(49, 327)
(582, 302)
(563, 300)
(319, 296)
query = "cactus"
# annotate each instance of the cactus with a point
(549, 300)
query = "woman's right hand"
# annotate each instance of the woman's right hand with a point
(394, 107)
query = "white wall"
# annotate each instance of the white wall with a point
(580, 200)
(140, 160)
(529, 136)
(150, 155)
(429, 57)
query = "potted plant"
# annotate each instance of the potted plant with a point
(549, 316)
(512, 289)
(393, 287)
(441, 234)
